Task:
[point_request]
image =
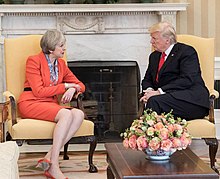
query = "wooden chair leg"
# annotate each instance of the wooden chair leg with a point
(93, 142)
(109, 173)
(65, 155)
(213, 148)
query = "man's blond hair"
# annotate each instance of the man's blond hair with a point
(166, 29)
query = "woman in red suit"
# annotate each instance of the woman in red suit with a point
(48, 76)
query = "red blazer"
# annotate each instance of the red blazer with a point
(38, 79)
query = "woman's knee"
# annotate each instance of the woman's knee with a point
(69, 114)
(63, 114)
(77, 113)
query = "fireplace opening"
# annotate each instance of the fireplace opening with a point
(111, 96)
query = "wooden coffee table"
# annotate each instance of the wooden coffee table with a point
(131, 164)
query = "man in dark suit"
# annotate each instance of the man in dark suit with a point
(178, 84)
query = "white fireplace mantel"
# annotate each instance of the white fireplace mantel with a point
(92, 8)
(93, 31)
(101, 12)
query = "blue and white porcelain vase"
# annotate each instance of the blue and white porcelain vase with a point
(159, 154)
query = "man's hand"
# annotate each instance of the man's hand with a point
(148, 94)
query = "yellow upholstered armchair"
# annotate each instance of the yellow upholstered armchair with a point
(16, 51)
(203, 128)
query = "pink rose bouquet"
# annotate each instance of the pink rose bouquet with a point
(157, 132)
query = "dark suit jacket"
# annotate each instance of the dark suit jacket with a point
(180, 75)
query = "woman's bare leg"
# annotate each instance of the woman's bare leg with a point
(78, 117)
(68, 122)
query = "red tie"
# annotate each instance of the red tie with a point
(162, 60)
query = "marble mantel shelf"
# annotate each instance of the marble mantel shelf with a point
(92, 8)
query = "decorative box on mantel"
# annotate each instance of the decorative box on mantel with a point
(93, 31)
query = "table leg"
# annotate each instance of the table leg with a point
(109, 173)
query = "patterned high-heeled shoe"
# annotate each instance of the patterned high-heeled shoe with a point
(44, 164)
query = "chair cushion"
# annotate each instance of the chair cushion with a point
(201, 128)
(9, 153)
(39, 129)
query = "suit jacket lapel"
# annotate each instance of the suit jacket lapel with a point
(45, 69)
(170, 57)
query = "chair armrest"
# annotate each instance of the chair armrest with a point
(8, 94)
(211, 110)
(215, 93)
(11, 104)
(79, 102)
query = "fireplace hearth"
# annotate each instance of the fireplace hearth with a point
(111, 96)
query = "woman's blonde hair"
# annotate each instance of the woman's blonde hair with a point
(50, 39)
(166, 29)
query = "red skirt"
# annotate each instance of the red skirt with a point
(39, 110)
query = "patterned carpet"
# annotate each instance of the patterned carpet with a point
(206, 160)
(74, 168)
(77, 166)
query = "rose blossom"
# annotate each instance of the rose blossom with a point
(154, 144)
(178, 127)
(164, 133)
(186, 134)
(166, 144)
(176, 143)
(132, 142)
(150, 131)
(170, 128)
(138, 130)
(126, 143)
(141, 143)
(185, 140)
(150, 122)
(158, 126)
